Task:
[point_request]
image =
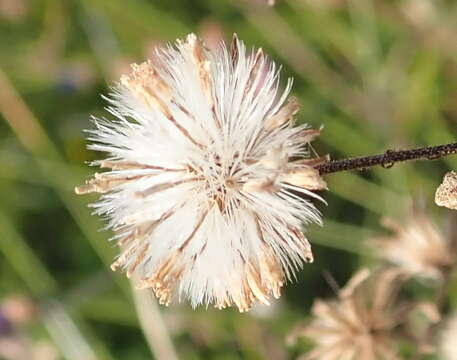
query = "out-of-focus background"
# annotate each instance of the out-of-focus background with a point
(376, 74)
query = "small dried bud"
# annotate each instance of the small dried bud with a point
(446, 194)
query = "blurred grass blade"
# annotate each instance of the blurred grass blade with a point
(35, 140)
(62, 181)
(66, 335)
(154, 329)
(23, 260)
(42, 284)
(340, 236)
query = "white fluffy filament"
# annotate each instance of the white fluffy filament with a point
(209, 176)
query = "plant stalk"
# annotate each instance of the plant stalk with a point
(388, 159)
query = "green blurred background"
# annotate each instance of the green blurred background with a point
(376, 74)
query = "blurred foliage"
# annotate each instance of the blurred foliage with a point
(377, 74)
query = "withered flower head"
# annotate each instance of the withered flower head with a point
(417, 247)
(358, 325)
(209, 179)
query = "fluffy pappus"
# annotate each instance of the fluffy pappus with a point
(209, 179)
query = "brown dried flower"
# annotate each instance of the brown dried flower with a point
(417, 247)
(359, 324)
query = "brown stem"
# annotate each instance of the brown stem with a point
(388, 159)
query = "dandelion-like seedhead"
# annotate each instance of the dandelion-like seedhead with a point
(209, 179)
(359, 324)
(417, 246)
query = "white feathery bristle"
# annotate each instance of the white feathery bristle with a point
(209, 179)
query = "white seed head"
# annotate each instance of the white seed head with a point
(209, 178)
